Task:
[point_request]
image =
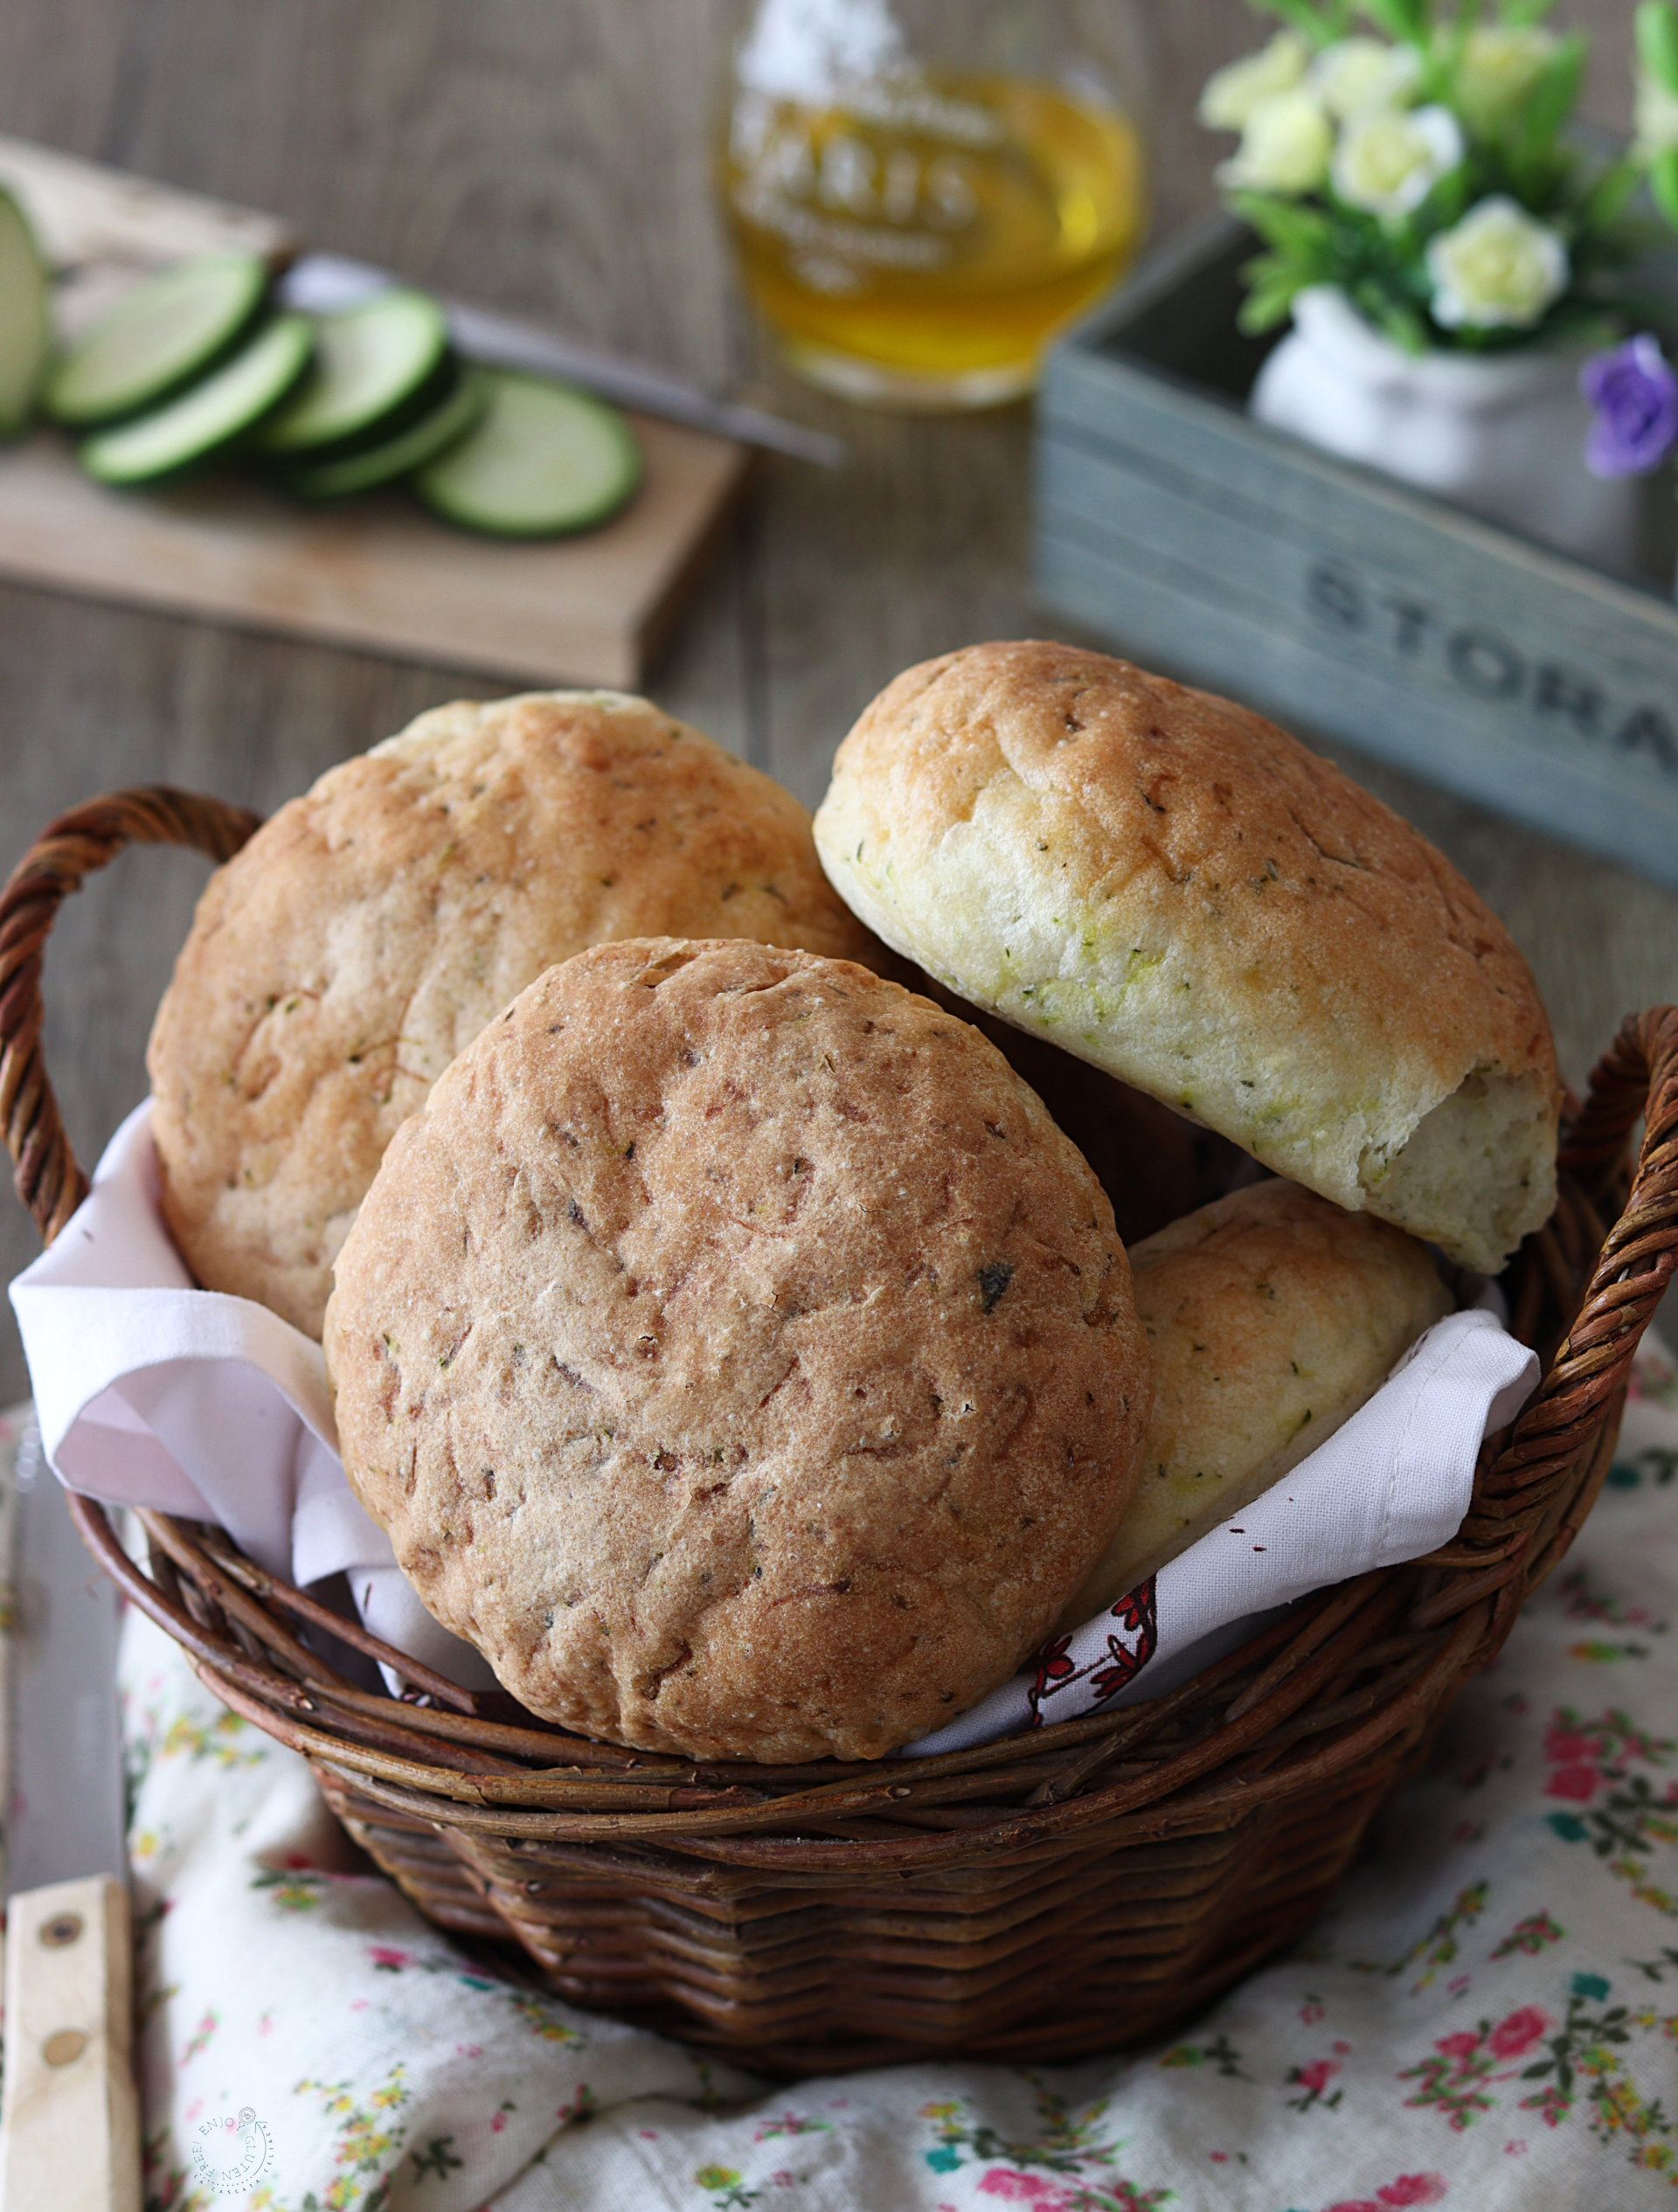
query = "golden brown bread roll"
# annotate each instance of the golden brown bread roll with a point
(370, 930)
(1176, 891)
(1272, 1316)
(738, 1354)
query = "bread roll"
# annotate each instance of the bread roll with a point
(738, 1354)
(1174, 889)
(1272, 1316)
(370, 930)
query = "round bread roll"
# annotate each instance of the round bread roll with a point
(369, 929)
(737, 1353)
(1176, 890)
(1272, 1316)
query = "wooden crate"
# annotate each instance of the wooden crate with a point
(1207, 546)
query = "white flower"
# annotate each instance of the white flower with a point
(1389, 161)
(1498, 266)
(1285, 147)
(1356, 74)
(1230, 95)
(1657, 116)
(1501, 64)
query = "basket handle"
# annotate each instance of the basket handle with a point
(45, 1170)
(1641, 1061)
(1636, 1075)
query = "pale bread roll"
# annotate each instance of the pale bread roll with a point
(367, 933)
(1272, 1316)
(1176, 890)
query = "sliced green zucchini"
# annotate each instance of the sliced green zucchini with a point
(545, 459)
(371, 361)
(210, 416)
(168, 329)
(445, 425)
(26, 322)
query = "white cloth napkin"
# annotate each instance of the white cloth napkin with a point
(1392, 1483)
(152, 1393)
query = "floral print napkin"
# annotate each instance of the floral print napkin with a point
(1487, 2018)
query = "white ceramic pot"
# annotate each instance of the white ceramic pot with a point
(1501, 434)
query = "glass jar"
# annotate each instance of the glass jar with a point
(922, 192)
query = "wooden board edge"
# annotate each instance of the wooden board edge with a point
(663, 618)
(70, 2122)
(66, 535)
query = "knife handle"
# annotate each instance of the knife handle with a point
(70, 2124)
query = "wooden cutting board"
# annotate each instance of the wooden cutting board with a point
(376, 571)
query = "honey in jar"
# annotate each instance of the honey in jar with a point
(915, 236)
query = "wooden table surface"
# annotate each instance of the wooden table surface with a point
(550, 157)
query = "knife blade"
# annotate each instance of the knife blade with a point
(70, 2121)
(327, 283)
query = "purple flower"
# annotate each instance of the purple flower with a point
(1635, 395)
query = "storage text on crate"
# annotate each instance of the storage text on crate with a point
(1486, 664)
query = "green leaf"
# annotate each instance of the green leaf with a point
(1404, 19)
(1284, 223)
(1453, 37)
(1271, 301)
(1608, 196)
(1257, 316)
(1264, 270)
(1447, 203)
(1400, 322)
(1443, 56)
(1526, 11)
(1551, 100)
(1263, 311)
(1656, 23)
(1319, 26)
(1663, 184)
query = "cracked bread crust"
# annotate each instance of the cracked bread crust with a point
(1174, 889)
(737, 1353)
(370, 930)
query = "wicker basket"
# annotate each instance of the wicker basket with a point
(1045, 1897)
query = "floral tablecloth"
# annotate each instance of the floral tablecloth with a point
(1487, 2018)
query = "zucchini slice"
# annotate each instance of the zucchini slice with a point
(370, 363)
(545, 459)
(168, 329)
(211, 415)
(25, 318)
(445, 425)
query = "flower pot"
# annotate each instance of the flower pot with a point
(1501, 435)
